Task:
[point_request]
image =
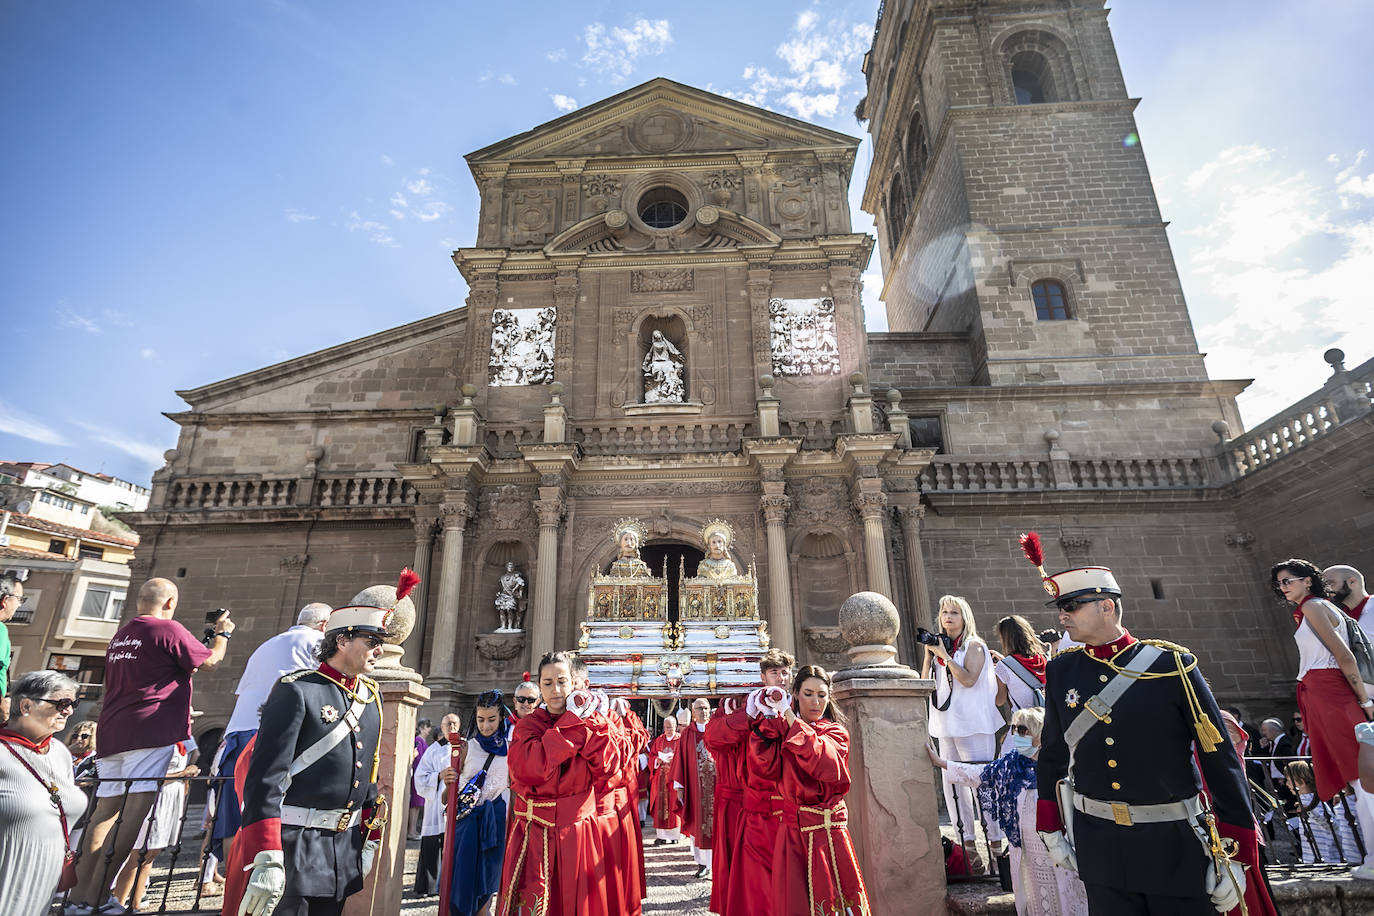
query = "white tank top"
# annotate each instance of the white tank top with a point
(973, 710)
(1312, 652)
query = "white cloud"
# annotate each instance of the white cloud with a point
(16, 423)
(147, 452)
(1234, 158)
(430, 210)
(69, 319)
(377, 232)
(613, 52)
(504, 79)
(822, 61)
(557, 56)
(299, 216)
(387, 160)
(147, 353)
(563, 102)
(420, 186)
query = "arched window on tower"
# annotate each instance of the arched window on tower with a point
(1050, 302)
(917, 152)
(896, 211)
(1039, 67)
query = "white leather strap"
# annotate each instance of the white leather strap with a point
(336, 819)
(315, 752)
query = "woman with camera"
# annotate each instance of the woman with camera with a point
(479, 836)
(963, 712)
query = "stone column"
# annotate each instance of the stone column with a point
(453, 516)
(550, 506)
(910, 518)
(871, 501)
(784, 628)
(893, 818)
(424, 547)
(382, 889)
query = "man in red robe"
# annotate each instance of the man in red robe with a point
(729, 810)
(751, 847)
(662, 799)
(694, 780)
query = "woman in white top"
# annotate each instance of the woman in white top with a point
(963, 712)
(1331, 694)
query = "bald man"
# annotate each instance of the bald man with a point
(1346, 585)
(146, 712)
(429, 782)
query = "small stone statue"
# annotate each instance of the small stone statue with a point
(629, 534)
(510, 600)
(663, 372)
(717, 535)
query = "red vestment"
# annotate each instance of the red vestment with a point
(663, 804)
(814, 866)
(751, 856)
(727, 747)
(698, 789)
(554, 863)
(631, 832)
(622, 887)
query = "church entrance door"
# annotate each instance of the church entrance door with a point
(677, 555)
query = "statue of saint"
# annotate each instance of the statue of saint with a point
(717, 535)
(663, 372)
(629, 534)
(510, 600)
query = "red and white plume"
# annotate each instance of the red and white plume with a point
(406, 584)
(1030, 546)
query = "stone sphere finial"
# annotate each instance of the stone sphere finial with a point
(1335, 358)
(894, 397)
(315, 452)
(555, 392)
(858, 379)
(1222, 429)
(869, 623)
(469, 391)
(766, 382)
(1051, 436)
(440, 411)
(171, 455)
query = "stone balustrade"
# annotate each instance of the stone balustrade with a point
(366, 491)
(190, 494)
(661, 436)
(954, 474)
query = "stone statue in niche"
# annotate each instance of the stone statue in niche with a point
(662, 367)
(510, 600)
(629, 534)
(717, 535)
(522, 346)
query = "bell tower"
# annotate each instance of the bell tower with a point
(1012, 196)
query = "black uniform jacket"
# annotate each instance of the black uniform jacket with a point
(302, 708)
(1142, 756)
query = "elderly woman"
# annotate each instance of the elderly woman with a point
(1006, 789)
(38, 799)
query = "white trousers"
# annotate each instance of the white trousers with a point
(674, 834)
(700, 856)
(1364, 812)
(964, 749)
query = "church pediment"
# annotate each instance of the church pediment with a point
(662, 118)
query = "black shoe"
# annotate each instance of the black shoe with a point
(660, 842)
(703, 871)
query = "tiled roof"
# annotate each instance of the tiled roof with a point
(42, 524)
(26, 553)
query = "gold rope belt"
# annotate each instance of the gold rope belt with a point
(531, 819)
(830, 819)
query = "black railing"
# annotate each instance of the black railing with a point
(1301, 829)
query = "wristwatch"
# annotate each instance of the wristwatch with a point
(225, 635)
(1367, 704)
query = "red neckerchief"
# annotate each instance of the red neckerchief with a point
(1035, 664)
(1297, 611)
(14, 737)
(1358, 610)
(957, 643)
(327, 669)
(1113, 647)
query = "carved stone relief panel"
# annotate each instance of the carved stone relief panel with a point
(603, 191)
(532, 215)
(802, 337)
(722, 185)
(522, 346)
(664, 280)
(821, 501)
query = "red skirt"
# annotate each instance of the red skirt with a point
(555, 864)
(751, 864)
(815, 872)
(729, 822)
(1330, 712)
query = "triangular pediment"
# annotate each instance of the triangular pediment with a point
(662, 118)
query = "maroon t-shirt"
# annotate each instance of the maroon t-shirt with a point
(147, 700)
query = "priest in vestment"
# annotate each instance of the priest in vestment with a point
(663, 804)
(694, 780)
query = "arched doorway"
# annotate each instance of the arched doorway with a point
(676, 555)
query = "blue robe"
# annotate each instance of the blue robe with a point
(479, 845)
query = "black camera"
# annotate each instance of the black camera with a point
(212, 619)
(927, 638)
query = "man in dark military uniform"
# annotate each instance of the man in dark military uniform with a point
(308, 822)
(1116, 770)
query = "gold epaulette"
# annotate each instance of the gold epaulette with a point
(1066, 651)
(297, 675)
(1169, 646)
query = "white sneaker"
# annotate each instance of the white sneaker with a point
(1365, 872)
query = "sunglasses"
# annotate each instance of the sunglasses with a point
(1076, 603)
(1021, 729)
(1285, 582)
(526, 699)
(372, 641)
(62, 706)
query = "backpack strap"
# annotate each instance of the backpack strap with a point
(1015, 667)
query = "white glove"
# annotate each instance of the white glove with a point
(775, 699)
(581, 703)
(369, 855)
(1224, 893)
(728, 705)
(666, 757)
(683, 716)
(603, 702)
(753, 705)
(1061, 853)
(621, 706)
(266, 884)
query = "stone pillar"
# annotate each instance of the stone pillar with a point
(382, 889)
(784, 628)
(893, 818)
(769, 426)
(453, 516)
(555, 415)
(550, 506)
(871, 501)
(424, 547)
(910, 518)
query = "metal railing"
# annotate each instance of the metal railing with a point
(1303, 831)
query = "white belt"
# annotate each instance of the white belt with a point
(1126, 815)
(336, 819)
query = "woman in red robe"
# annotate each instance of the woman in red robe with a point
(663, 804)
(814, 867)
(728, 752)
(555, 863)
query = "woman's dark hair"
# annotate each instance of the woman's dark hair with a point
(806, 672)
(1301, 569)
(1018, 637)
(491, 699)
(553, 658)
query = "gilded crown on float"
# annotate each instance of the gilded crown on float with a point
(718, 526)
(632, 525)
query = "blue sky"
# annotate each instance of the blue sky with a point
(197, 189)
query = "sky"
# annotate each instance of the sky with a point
(200, 188)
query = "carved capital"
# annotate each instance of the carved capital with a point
(1076, 545)
(911, 516)
(870, 504)
(775, 508)
(550, 510)
(295, 562)
(1243, 540)
(424, 527)
(455, 514)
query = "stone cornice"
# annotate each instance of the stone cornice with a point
(369, 347)
(1228, 388)
(223, 418)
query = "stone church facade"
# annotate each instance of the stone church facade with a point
(1041, 373)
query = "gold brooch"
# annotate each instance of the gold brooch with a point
(329, 714)
(1071, 698)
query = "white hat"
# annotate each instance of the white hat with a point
(1085, 580)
